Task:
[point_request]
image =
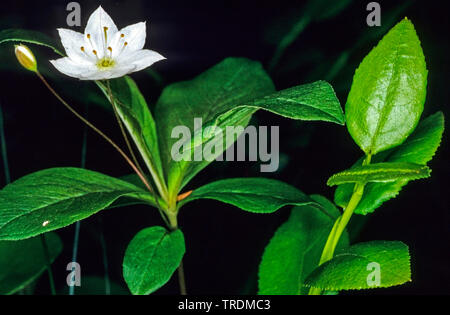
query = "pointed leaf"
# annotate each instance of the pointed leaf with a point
(137, 118)
(54, 198)
(380, 173)
(258, 195)
(388, 91)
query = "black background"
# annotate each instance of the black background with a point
(224, 244)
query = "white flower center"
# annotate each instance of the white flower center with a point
(107, 61)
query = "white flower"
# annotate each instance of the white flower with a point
(104, 52)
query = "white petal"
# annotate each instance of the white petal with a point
(72, 42)
(71, 68)
(116, 72)
(141, 58)
(98, 20)
(133, 35)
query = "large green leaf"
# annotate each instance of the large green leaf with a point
(216, 91)
(388, 91)
(356, 267)
(380, 173)
(227, 95)
(137, 118)
(295, 249)
(22, 262)
(151, 258)
(419, 148)
(259, 195)
(56, 197)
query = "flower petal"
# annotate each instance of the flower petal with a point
(98, 20)
(71, 68)
(72, 42)
(116, 72)
(134, 35)
(140, 58)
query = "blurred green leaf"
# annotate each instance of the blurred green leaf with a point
(27, 36)
(388, 91)
(295, 249)
(355, 268)
(22, 262)
(313, 11)
(258, 195)
(151, 258)
(54, 198)
(419, 148)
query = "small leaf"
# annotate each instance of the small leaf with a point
(151, 258)
(380, 173)
(22, 262)
(388, 91)
(370, 265)
(258, 195)
(295, 249)
(54, 198)
(419, 148)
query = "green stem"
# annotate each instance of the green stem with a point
(173, 224)
(48, 263)
(340, 225)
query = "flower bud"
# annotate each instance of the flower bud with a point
(25, 57)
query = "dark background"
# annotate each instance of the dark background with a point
(224, 244)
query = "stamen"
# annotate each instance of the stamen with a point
(110, 51)
(105, 40)
(90, 41)
(122, 35)
(95, 53)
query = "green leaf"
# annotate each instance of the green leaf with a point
(419, 148)
(388, 91)
(54, 198)
(214, 92)
(258, 195)
(380, 173)
(27, 36)
(356, 267)
(227, 95)
(311, 102)
(295, 249)
(137, 118)
(151, 258)
(22, 262)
